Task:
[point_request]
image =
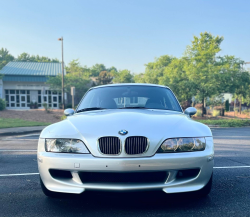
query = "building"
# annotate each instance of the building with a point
(24, 83)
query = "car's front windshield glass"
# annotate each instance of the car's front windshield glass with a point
(129, 96)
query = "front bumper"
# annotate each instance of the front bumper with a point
(170, 163)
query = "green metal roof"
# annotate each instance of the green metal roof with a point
(32, 68)
(25, 78)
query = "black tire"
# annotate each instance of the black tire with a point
(47, 192)
(206, 189)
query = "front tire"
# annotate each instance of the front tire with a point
(47, 192)
(206, 189)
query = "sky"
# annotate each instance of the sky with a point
(126, 34)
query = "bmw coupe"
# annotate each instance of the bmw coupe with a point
(126, 137)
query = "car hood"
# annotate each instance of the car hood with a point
(156, 125)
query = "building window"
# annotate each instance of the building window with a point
(39, 99)
(23, 99)
(54, 98)
(28, 99)
(17, 91)
(39, 92)
(6, 91)
(22, 91)
(17, 98)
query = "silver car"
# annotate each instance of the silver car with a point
(126, 137)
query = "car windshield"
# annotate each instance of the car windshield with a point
(129, 97)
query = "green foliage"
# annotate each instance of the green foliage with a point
(201, 67)
(123, 76)
(154, 70)
(105, 77)
(77, 77)
(97, 68)
(63, 117)
(216, 113)
(227, 122)
(201, 72)
(25, 57)
(2, 104)
(198, 113)
(246, 112)
(5, 57)
(15, 122)
(227, 105)
(46, 107)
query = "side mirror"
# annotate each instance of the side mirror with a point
(69, 112)
(190, 111)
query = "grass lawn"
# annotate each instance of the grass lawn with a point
(226, 122)
(11, 122)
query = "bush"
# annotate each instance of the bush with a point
(246, 112)
(198, 113)
(2, 104)
(63, 117)
(216, 113)
(221, 110)
(227, 122)
(46, 107)
(199, 107)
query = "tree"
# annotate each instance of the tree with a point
(76, 77)
(154, 70)
(5, 57)
(76, 68)
(123, 76)
(175, 77)
(97, 68)
(104, 77)
(201, 66)
(25, 57)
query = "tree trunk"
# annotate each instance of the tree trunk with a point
(240, 100)
(202, 112)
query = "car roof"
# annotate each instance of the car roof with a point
(130, 84)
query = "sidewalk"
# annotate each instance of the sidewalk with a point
(20, 130)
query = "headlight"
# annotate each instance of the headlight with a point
(182, 145)
(65, 146)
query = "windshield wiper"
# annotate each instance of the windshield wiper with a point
(89, 109)
(133, 107)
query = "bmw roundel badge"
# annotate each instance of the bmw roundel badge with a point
(123, 132)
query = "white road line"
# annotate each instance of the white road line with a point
(231, 167)
(23, 174)
(29, 174)
(17, 150)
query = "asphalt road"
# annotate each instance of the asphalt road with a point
(21, 195)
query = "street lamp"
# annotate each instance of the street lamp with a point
(61, 39)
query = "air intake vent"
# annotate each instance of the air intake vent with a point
(110, 145)
(136, 145)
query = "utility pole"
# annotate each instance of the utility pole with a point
(61, 39)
